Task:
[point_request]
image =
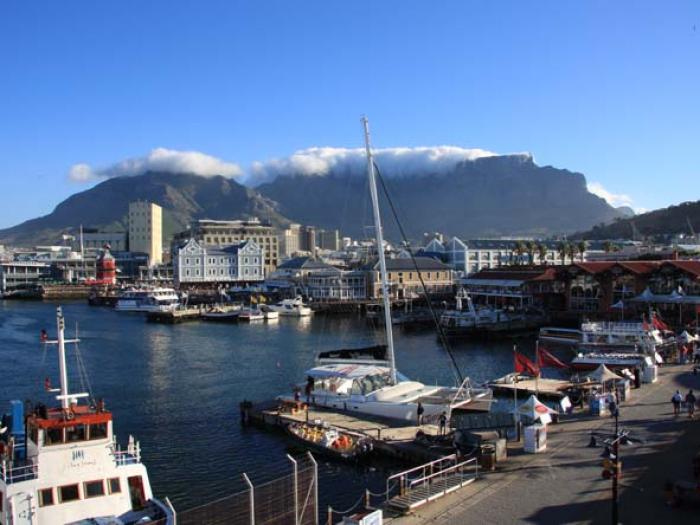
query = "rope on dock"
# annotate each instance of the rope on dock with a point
(331, 510)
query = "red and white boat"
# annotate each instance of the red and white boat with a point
(62, 465)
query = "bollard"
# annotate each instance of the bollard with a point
(329, 521)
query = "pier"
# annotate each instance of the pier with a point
(525, 386)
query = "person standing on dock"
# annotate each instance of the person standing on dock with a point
(677, 399)
(443, 423)
(690, 403)
(419, 412)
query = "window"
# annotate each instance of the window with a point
(98, 431)
(68, 493)
(46, 497)
(114, 485)
(54, 436)
(75, 433)
(92, 489)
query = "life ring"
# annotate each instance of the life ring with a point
(70, 415)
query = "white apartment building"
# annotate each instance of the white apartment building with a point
(197, 263)
(146, 230)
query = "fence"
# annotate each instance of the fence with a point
(288, 500)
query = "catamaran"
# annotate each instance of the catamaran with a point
(63, 464)
(373, 386)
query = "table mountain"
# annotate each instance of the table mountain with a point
(490, 196)
(183, 196)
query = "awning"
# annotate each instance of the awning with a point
(504, 283)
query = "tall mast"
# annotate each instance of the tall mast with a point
(61, 325)
(380, 251)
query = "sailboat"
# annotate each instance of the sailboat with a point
(63, 464)
(370, 384)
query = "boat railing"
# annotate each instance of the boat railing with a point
(130, 456)
(464, 392)
(15, 474)
(613, 327)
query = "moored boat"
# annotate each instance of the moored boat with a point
(331, 441)
(250, 315)
(147, 299)
(291, 308)
(63, 464)
(228, 314)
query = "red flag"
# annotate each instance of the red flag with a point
(43, 336)
(47, 384)
(546, 359)
(524, 365)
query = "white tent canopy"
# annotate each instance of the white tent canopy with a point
(603, 374)
(536, 410)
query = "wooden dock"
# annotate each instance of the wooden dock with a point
(388, 438)
(526, 386)
(180, 315)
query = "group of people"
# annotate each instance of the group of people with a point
(690, 401)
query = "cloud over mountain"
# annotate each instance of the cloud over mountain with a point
(614, 199)
(160, 160)
(393, 161)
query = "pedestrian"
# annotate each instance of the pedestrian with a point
(677, 399)
(419, 412)
(612, 406)
(443, 423)
(690, 403)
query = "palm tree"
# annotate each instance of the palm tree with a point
(531, 249)
(563, 251)
(571, 249)
(582, 246)
(520, 250)
(607, 247)
(542, 252)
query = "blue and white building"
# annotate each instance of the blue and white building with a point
(197, 263)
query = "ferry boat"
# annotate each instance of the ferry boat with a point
(374, 387)
(468, 319)
(291, 308)
(151, 299)
(63, 465)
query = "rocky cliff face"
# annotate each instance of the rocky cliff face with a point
(503, 195)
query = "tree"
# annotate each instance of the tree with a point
(531, 248)
(563, 251)
(520, 250)
(542, 252)
(571, 249)
(607, 247)
(582, 246)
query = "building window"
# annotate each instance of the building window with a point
(46, 497)
(68, 493)
(93, 489)
(114, 486)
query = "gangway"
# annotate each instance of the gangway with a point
(428, 482)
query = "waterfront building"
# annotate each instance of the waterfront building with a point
(198, 263)
(221, 234)
(146, 230)
(328, 240)
(94, 240)
(404, 281)
(334, 284)
(22, 274)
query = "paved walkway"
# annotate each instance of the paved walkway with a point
(564, 485)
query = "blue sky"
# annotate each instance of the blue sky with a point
(610, 89)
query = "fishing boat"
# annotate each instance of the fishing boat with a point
(329, 440)
(63, 464)
(291, 308)
(147, 299)
(374, 387)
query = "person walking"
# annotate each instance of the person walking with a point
(690, 403)
(419, 411)
(677, 399)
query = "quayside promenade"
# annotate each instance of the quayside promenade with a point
(564, 483)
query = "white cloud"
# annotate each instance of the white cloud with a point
(161, 160)
(614, 199)
(392, 161)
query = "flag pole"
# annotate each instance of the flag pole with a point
(539, 367)
(515, 391)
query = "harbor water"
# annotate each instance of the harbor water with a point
(176, 388)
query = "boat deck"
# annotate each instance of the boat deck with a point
(551, 388)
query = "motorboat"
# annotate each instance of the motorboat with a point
(147, 299)
(270, 315)
(222, 314)
(467, 318)
(63, 464)
(250, 315)
(368, 382)
(291, 308)
(330, 441)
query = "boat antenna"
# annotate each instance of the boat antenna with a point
(380, 251)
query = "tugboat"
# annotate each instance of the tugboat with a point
(63, 464)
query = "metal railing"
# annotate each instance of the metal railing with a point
(17, 474)
(130, 456)
(402, 480)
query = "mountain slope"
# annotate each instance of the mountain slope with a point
(671, 220)
(183, 197)
(504, 195)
